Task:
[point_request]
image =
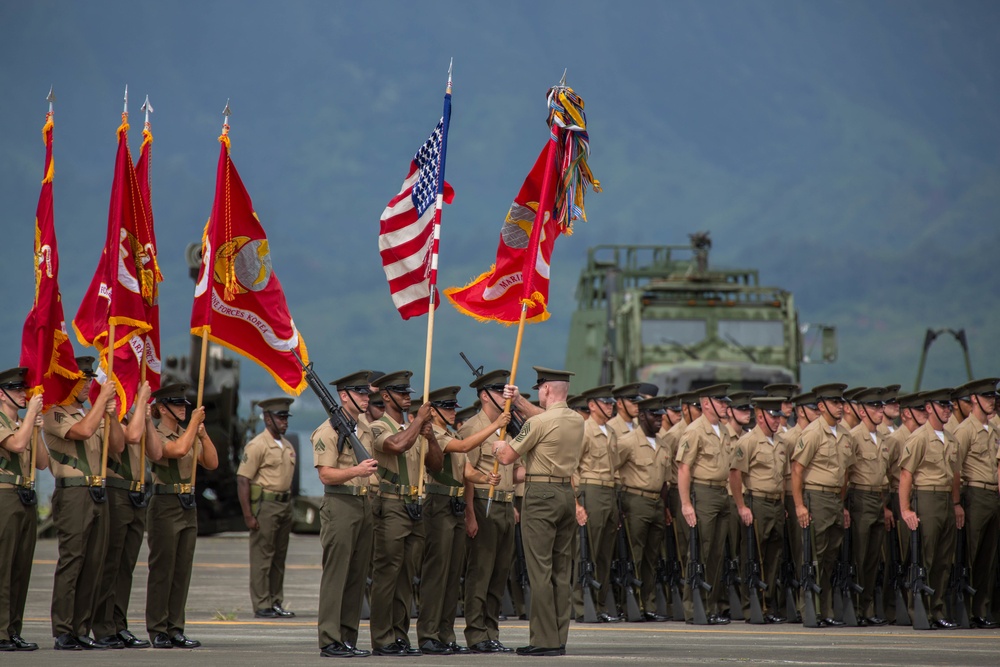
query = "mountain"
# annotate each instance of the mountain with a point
(850, 151)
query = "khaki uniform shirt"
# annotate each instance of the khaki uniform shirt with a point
(789, 438)
(871, 458)
(885, 429)
(619, 425)
(671, 443)
(268, 463)
(761, 460)
(57, 423)
(550, 442)
(978, 446)
(824, 456)
(953, 423)
(930, 461)
(11, 463)
(174, 471)
(324, 442)
(894, 452)
(708, 454)
(381, 430)
(456, 459)
(644, 466)
(482, 458)
(599, 453)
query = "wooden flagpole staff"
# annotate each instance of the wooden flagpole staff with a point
(432, 284)
(226, 113)
(542, 216)
(148, 108)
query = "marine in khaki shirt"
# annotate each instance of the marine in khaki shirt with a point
(978, 444)
(263, 483)
(929, 468)
(626, 397)
(345, 520)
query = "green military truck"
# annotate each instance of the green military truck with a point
(661, 314)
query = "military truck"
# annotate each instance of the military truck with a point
(661, 314)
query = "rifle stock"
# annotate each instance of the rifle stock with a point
(958, 585)
(588, 584)
(755, 585)
(696, 576)
(626, 564)
(810, 589)
(917, 582)
(675, 573)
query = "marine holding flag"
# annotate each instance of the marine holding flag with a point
(238, 300)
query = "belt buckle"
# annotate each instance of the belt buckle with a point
(95, 481)
(183, 488)
(362, 490)
(412, 491)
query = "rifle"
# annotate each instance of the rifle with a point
(515, 423)
(880, 574)
(898, 576)
(958, 584)
(587, 582)
(810, 589)
(674, 573)
(521, 568)
(788, 580)
(341, 423)
(731, 579)
(917, 582)
(624, 569)
(696, 575)
(754, 583)
(844, 585)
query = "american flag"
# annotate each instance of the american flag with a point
(410, 224)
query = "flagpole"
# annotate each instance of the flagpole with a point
(432, 281)
(35, 429)
(148, 109)
(110, 347)
(204, 336)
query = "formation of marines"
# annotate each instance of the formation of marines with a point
(828, 507)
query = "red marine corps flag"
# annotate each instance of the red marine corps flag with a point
(517, 286)
(114, 308)
(46, 350)
(238, 301)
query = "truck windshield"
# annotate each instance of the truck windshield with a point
(672, 332)
(753, 333)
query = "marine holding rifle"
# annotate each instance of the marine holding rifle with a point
(346, 523)
(929, 481)
(757, 482)
(264, 487)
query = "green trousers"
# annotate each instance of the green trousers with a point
(602, 530)
(646, 528)
(490, 555)
(982, 533)
(268, 549)
(346, 534)
(18, 528)
(127, 526)
(769, 532)
(441, 573)
(172, 533)
(548, 525)
(827, 529)
(868, 536)
(712, 509)
(937, 539)
(398, 539)
(82, 528)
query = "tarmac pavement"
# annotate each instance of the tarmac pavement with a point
(220, 615)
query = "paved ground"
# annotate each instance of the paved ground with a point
(220, 615)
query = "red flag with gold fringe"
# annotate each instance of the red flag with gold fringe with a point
(550, 198)
(238, 300)
(122, 284)
(46, 350)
